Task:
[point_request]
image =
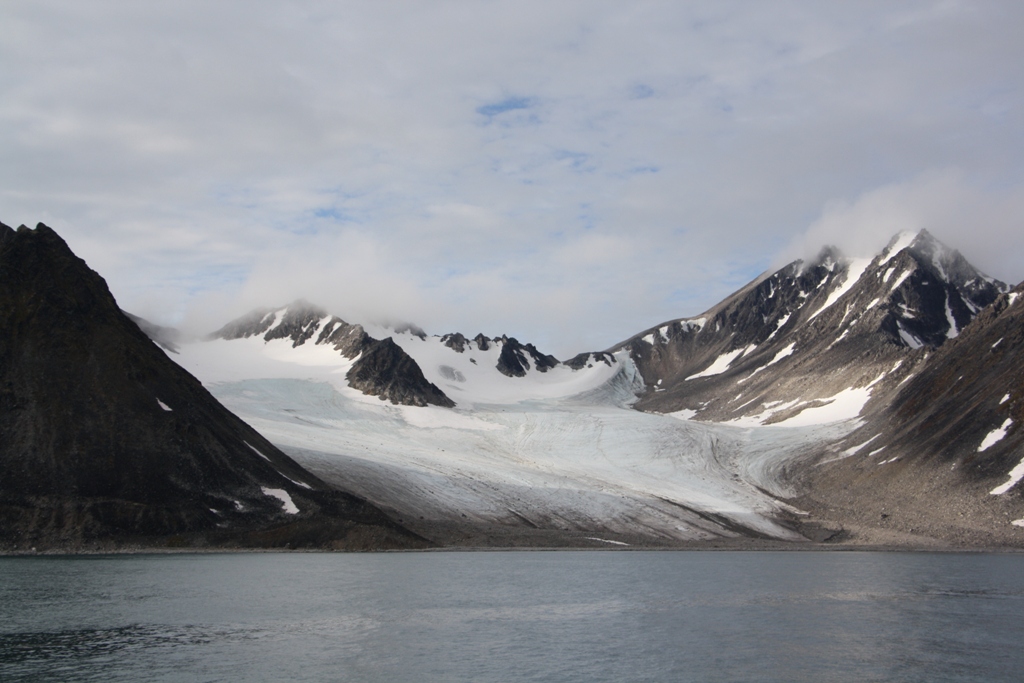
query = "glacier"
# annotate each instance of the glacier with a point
(559, 450)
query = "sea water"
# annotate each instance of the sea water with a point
(514, 616)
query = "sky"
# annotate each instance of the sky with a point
(568, 173)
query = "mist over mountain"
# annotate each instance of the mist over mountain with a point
(797, 339)
(103, 439)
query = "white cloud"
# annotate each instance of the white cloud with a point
(568, 172)
(983, 224)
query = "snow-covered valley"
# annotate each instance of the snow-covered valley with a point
(560, 451)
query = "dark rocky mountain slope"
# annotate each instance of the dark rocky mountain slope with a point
(941, 459)
(798, 338)
(103, 439)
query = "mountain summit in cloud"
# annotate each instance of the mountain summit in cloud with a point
(814, 336)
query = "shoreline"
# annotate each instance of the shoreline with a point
(713, 547)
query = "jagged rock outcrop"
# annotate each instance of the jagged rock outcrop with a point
(586, 360)
(514, 359)
(482, 342)
(386, 371)
(349, 340)
(456, 342)
(414, 330)
(104, 439)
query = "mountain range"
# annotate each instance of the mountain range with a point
(851, 401)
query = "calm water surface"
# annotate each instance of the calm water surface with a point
(514, 616)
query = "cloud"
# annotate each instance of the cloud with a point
(567, 172)
(985, 224)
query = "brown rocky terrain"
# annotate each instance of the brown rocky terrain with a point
(927, 462)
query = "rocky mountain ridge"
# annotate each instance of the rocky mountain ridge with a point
(817, 337)
(812, 334)
(103, 439)
(382, 364)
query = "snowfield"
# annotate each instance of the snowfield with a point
(554, 450)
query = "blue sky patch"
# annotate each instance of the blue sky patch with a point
(507, 104)
(642, 91)
(329, 212)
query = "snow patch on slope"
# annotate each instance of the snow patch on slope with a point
(286, 501)
(841, 407)
(1016, 474)
(909, 339)
(952, 332)
(845, 405)
(995, 436)
(720, 365)
(899, 281)
(778, 325)
(256, 451)
(854, 449)
(854, 271)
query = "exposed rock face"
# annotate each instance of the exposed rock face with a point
(103, 437)
(349, 340)
(385, 370)
(482, 342)
(584, 360)
(929, 461)
(796, 338)
(514, 360)
(456, 342)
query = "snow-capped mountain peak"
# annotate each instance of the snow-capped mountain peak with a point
(812, 333)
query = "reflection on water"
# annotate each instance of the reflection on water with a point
(526, 616)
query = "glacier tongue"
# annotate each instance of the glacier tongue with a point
(566, 454)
